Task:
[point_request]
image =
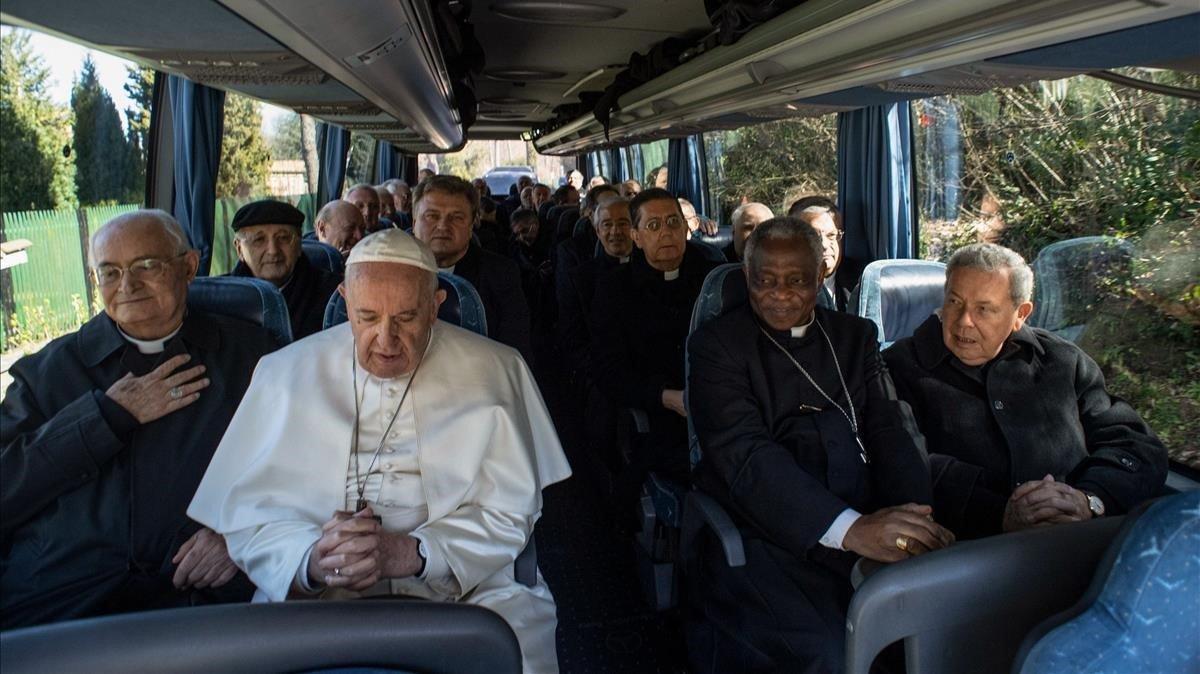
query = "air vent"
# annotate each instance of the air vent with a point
(254, 77)
(391, 44)
(555, 12)
(331, 109)
(938, 88)
(509, 102)
(523, 74)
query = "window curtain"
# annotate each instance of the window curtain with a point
(875, 182)
(408, 168)
(583, 164)
(686, 169)
(198, 120)
(387, 162)
(616, 163)
(333, 146)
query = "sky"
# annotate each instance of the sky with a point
(65, 60)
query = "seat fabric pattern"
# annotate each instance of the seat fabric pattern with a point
(323, 256)
(898, 295)
(249, 299)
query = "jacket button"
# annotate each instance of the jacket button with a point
(1125, 461)
(999, 404)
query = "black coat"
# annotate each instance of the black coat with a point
(1039, 407)
(639, 324)
(306, 293)
(574, 291)
(94, 503)
(498, 281)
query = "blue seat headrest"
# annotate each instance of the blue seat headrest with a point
(248, 299)
(898, 295)
(463, 306)
(724, 289)
(323, 256)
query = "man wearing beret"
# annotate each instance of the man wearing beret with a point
(267, 238)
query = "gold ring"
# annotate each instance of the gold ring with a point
(902, 543)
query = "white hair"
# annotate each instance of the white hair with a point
(741, 211)
(990, 258)
(167, 223)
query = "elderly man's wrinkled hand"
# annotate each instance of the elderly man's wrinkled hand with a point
(893, 534)
(203, 561)
(708, 227)
(1044, 502)
(673, 400)
(159, 392)
(348, 553)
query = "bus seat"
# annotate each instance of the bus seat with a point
(581, 226)
(709, 251)
(1068, 278)
(463, 306)
(324, 256)
(1142, 611)
(967, 608)
(898, 295)
(564, 226)
(722, 238)
(249, 299)
(398, 635)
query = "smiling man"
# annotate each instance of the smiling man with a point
(406, 457)
(806, 446)
(1021, 430)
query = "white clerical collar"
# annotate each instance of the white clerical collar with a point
(671, 275)
(149, 346)
(623, 259)
(801, 330)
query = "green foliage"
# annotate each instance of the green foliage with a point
(245, 161)
(361, 162)
(100, 149)
(777, 162)
(285, 138)
(33, 128)
(140, 89)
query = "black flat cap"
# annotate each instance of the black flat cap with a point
(267, 212)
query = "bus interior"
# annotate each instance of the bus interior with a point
(596, 83)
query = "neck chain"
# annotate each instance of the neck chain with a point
(851, 417)
(360, 481)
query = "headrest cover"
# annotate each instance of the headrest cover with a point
(267, 212)
(395, 246)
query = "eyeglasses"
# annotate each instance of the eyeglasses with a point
(833, 237)
(145, 269)
(671, 222)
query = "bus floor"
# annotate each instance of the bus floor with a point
(604, 622)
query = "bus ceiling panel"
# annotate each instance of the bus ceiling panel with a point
(828, 46)
(384, 50)
(1161, 41)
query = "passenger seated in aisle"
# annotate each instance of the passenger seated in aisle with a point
(424, 174)
(639, 319)
(745, 218)
(402, 203)
(491, 234)
(842, 274)
(445, 209)
(340, 225)
(532, 258)
(447, 442)
(267, 239)
(527, 198)
(541, 195)
(1020, 429)
(597, 181)
(105, 434)
(807, 448)
(387, 207)
(630, 189)
(366, 200)
(582, 246)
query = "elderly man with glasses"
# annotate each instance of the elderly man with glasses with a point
(105, 434)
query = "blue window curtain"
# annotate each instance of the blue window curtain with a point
(583, 164)
(408, 168)
(616, 163)
(198, 121)
(686, 170)
(333, 147)
(638, 163)
(387, 162)
(875, 182)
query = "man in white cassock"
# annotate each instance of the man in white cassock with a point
(438, 432)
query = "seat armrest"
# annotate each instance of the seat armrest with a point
(700, 509)
(641, 422)
(525, 565)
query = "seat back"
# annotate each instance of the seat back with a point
(463, 306)
(1070, 276)
(719, 240)
(968, 607)
(581, 225)
(707, 251)
(418, 636)
(323, 256)
(249, 299)
(724, 289)
(898, 295)
(1142, 614)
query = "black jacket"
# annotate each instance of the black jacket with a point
(574, 291)
(94, 503)
(1039, 407)
(780, 458)
(306, 293)
(498, 281)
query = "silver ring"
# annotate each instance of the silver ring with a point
(337, 572)
(176, 393)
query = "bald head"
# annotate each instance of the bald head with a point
(341, 225)
(745, 218)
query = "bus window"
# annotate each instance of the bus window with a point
(73, 126)
(1038, 168)
(480, 156)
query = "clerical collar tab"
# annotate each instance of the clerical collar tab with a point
(671, 275)
(802, 330)
(149, 346)
(623, 259)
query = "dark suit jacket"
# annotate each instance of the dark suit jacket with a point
(1039, 407)
(780, 458)
(498, 281)
(574, 291)
(306, 293)
(94, 503)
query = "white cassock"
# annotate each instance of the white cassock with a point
(462, 470)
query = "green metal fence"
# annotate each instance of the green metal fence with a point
(50, 293)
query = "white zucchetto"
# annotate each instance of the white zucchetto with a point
(395, 246)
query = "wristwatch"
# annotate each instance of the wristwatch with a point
(1095, 504)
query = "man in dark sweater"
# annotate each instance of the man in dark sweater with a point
(1020, 429)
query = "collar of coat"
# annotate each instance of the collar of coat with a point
(932, 351)
(99, 338)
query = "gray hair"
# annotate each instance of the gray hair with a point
(166, 222)
(811, 213)
(741, 211)
(362, 186)
(991, 258)
(784, 229)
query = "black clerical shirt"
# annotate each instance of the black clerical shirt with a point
(306, 292)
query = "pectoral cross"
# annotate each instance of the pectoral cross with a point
(360, 504)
